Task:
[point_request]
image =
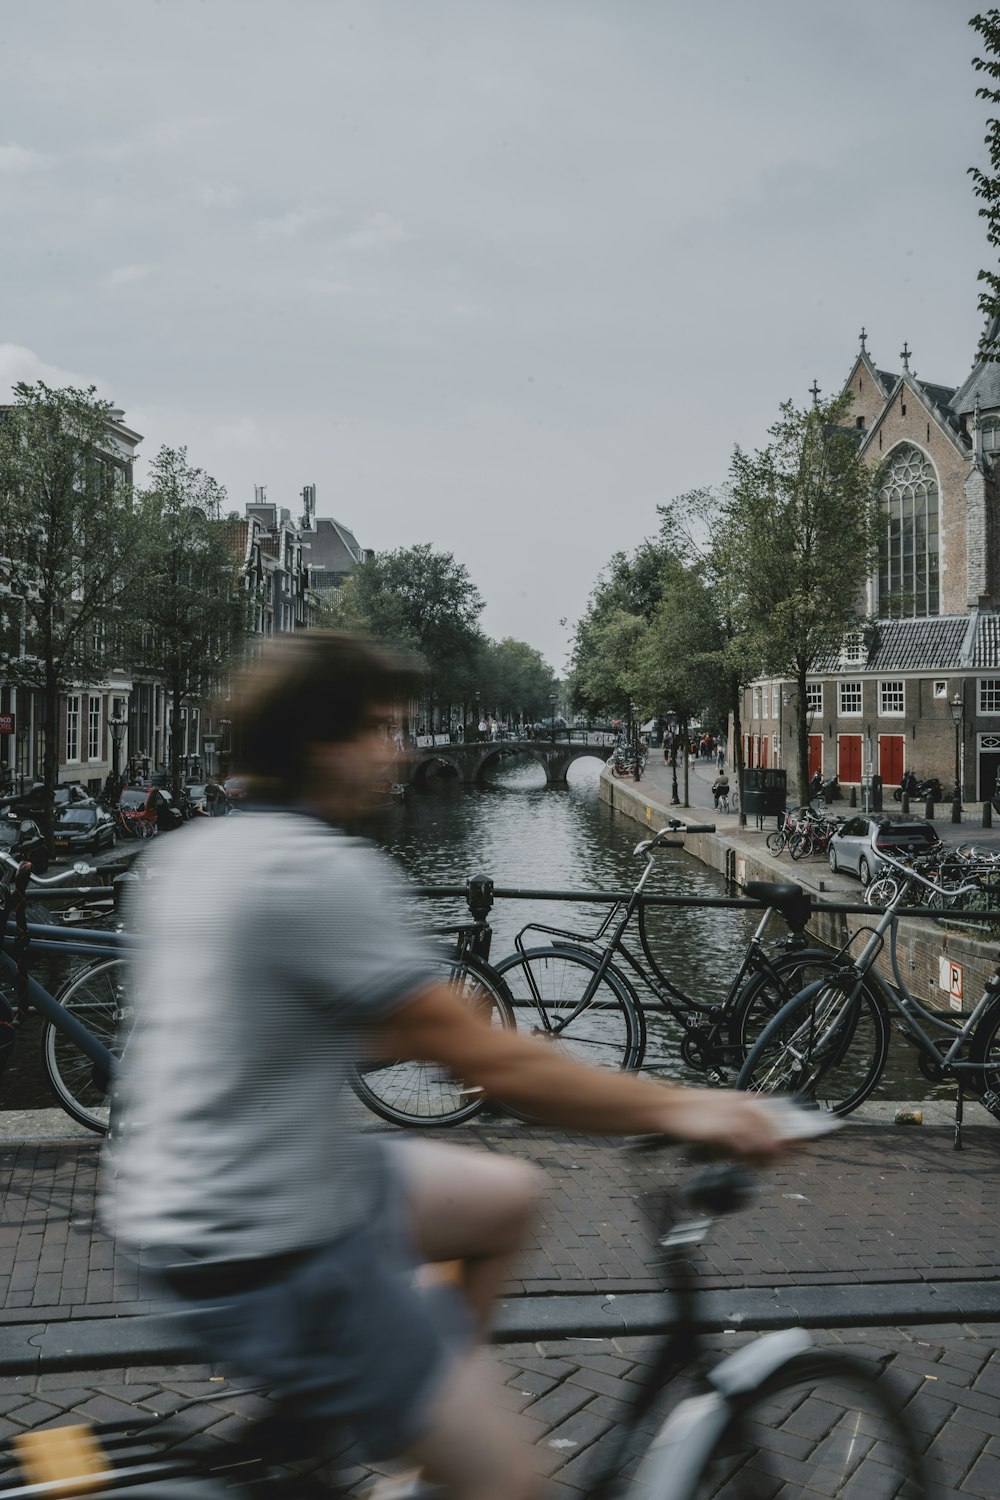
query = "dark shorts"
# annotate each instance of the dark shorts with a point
(339, 1332)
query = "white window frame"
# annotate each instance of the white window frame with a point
(765, 700)
(94, 726)
(73, 729)
(843, 688)
(988, 695)
(852, 652)
(814, 698)
(755, 709)
(940, 689)
(892, 689)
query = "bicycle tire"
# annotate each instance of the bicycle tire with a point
(408, 1092)
(822, 1423)
(611, 1032)
(881, 892)
(984, 1051)
(100, 997)
(768, 990)
(827, 1047)
(801, 847)
(776, 843)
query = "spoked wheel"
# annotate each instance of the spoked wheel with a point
(775, 843)
(819, 1425)
(769, 991)
(984, 1051)
(406, 1092)
(882, 892)
(547, 984)
(828, 1047)
(102, 998)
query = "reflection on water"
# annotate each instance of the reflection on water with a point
(524, 834)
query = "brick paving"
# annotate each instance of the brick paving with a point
(867, 1206)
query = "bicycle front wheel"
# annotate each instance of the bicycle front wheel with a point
(821, 1424)
(984, 1051)
(102, 998)
(546, 986)
(406, 1092)
(776, 842)
(827, 1047)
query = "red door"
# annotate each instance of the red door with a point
(765, 747)
(890, 758)
(815, 754)
(849, 757)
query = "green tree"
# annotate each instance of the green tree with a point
(986, 185)
(605, 661)
(425, 601)
(188, 609)
(67, 536)
(514, 680)
(798, 538)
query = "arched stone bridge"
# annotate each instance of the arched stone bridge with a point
(471, 763)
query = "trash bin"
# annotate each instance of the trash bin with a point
(764, 792)
(871, 794)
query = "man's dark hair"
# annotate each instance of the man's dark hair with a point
(307, 688)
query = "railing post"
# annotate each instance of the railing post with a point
(987, 814)
(479, 896)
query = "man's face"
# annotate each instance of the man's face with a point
(343, 774)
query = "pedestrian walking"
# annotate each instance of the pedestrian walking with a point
(720, 757)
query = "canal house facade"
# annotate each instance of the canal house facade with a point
(917, 685)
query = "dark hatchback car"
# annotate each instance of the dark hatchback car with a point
(85, 827)
(22, 839)
(856, 847)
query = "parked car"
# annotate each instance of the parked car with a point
(22, 839)
(235, 788)
(32, 800)
(85, 827)
(151, 805)
(856, 847)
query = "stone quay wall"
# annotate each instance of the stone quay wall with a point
(935, 963)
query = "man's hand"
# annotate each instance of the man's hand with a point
(536, 1077)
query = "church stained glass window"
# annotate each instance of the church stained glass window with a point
(908, 567)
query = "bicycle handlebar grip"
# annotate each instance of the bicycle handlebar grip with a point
(699, 828)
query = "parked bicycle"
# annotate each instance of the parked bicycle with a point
(81, 1031)
(777, 1416)
(829, 1045)
(578, 991)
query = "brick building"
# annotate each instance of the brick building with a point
(929, 649)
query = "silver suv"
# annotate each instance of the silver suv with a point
(856, 847)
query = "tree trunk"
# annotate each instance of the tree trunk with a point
(175, 739)
(50, 760)
(735, 697)
(802, 728)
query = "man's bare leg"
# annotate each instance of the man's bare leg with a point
(471, 1445)
(471, 1206)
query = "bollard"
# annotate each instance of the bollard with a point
(904, 804)
(852, 800)
(929, 809)
(987, 814)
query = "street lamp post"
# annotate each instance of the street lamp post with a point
(957, 706)
(552, 711)
(118, 726)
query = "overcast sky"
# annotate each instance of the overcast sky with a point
(497, 275)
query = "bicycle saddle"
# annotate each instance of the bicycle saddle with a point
(794, 904)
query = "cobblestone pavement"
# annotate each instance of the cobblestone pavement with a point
(568, 1396)
(870, 1205)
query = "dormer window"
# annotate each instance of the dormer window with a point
(853, 652)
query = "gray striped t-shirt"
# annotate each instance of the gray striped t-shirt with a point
(271, 943)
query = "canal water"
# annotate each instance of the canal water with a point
(522, 833)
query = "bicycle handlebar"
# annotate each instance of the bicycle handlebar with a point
(667, 838)
(79, 868)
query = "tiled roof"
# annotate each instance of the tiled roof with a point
(986, 651)
(910, 646)
(887, 380)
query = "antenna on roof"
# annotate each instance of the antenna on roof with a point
(308, 506)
